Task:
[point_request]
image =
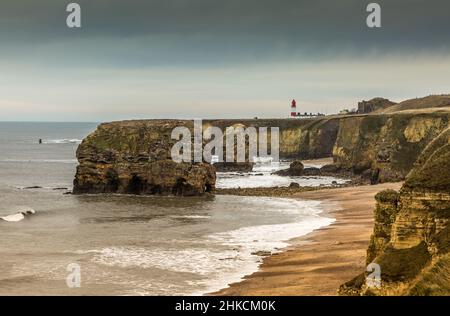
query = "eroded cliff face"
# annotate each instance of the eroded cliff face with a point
(385, 146)
(411, 239)
(318, 139)
(134, 157)
(382, 147)
(303, 139)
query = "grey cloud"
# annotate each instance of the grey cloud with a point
(210, 58)
(157, 32)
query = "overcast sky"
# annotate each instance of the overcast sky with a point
(209, 58)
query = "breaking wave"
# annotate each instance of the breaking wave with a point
(19, 215)
(224, 257)
(68, 161)
(62, 141)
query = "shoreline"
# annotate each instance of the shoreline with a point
(319, 262)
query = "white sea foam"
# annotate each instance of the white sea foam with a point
(67, 161)
(19, 215)
(262, 177)
(269, 166)
(266, 238)
(191, 216)
(312, 165)
(13, 217)
(62, 141)
(225, 257)
(251, 180)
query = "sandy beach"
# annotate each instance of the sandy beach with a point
(318, 263)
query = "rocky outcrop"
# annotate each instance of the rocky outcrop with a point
(411, 238)
(134, 157)
(385, 146)
(317, 139)
(299, 138)
(380, 147)
(372, 105)
(385, 213)
(312, 171)
(295, 169)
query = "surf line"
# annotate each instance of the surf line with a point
(18, 216)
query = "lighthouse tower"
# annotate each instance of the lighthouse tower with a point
(294, 108)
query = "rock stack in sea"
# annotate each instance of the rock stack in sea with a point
(135, 157)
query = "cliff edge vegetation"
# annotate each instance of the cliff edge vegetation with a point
(411, 237)
(433, 102)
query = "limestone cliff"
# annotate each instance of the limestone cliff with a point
(385, 146)
(304, 139)
(411, 239)
(134, 157)
(382, 147)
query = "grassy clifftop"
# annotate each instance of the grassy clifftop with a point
(432, 101)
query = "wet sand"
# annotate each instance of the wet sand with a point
(318, 263)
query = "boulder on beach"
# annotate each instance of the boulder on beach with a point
(312, 171)
(295, 169)
(331, 168)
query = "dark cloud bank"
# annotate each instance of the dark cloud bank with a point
(210, 58)
(202, 31)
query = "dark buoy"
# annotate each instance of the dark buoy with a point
(40, 140)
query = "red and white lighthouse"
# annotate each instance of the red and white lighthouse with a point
(294, 108)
